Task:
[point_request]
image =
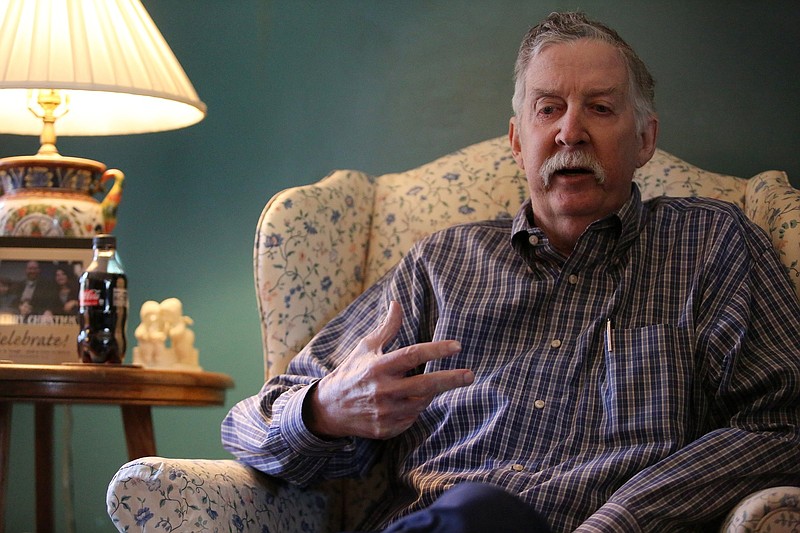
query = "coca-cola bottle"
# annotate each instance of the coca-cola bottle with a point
(103, 301)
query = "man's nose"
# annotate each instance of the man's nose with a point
(572, 129)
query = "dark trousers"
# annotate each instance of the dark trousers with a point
(473, 508)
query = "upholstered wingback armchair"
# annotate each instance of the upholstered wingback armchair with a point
(318, 246)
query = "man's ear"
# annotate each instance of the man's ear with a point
(649, 136)
(516, 146)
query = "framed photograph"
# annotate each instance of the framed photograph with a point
(39, 298)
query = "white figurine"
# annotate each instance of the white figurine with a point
(181, 337)
(161, 323)
(150, 335)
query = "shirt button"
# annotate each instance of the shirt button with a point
(533, 239)
(517, 467)
(556, 343)
(573, 279)
(539, 404)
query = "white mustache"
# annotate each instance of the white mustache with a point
(563, 160)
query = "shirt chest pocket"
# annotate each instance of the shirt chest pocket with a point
(648, 384)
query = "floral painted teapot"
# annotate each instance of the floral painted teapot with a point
(53, 196)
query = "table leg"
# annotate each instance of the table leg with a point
(139, 434)
(43, 415)
(5, 450)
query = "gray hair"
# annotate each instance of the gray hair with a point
(560, 28)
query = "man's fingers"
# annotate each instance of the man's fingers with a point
(387, 330)
(414, 396)
(433, 383)
(371, 394)
(410, 357)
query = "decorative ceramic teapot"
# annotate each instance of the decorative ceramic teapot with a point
(53, 196)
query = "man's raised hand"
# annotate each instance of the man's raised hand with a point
(370, 394)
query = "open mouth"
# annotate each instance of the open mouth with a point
(571, 164)
(575, 171)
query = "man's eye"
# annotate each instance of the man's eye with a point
(547, 110)
(602, 109)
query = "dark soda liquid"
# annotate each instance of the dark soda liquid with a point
(103, 317)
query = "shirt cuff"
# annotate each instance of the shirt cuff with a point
(297, 435)
(610, 518)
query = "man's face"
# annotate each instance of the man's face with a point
(577, 103)
(32, 270)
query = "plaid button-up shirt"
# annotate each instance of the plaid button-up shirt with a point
(646, 382)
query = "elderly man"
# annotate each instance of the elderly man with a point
(611, 364)
(39, 294)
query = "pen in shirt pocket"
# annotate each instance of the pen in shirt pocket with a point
(609, 336)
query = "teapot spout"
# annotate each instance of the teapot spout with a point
(110, 203)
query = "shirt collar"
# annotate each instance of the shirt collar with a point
(625, 222)
(632, 216)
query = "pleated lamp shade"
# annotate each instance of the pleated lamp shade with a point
(106, 57)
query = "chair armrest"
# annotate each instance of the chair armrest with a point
(774, 510)
(216, 495)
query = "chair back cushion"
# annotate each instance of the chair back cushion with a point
(318, 246)
(481, 182)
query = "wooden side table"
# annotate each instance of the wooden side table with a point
(134, 389)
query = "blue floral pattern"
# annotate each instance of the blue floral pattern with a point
(318, 246)
(175, 495)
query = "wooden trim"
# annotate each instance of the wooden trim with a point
(111, 384)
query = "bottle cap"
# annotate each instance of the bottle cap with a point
(104, 240)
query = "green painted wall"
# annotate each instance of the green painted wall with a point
(296, 88)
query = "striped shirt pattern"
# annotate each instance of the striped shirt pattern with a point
(645, 383)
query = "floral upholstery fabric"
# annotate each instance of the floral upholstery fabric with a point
(318, 246)
(310, 249)
(155, 494)
(774, 204)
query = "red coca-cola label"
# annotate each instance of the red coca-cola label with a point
(89, 297)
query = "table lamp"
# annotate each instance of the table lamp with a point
(80, 67)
